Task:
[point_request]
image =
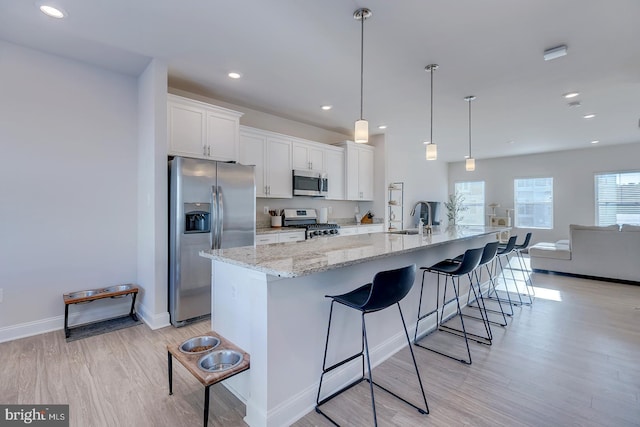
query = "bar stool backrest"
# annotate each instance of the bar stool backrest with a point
(510, 245)
(527, 239)
(489, 252)
(389, 287)
(470, 261)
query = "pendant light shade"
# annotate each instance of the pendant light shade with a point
(432, 149)
(470, 164)
(361, 134)
(362, 131)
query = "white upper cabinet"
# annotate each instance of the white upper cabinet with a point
(271, 156)
(200, 130)
(359, 160)
(308, 156)
(335, 168)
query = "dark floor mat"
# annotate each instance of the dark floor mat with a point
(101, 327)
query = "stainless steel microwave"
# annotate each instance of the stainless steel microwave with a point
(310, 183)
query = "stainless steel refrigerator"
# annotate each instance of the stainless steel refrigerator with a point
(212, 205)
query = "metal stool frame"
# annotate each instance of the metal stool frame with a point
(453, 270)
(367, 299)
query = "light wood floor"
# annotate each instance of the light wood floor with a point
(574, 362)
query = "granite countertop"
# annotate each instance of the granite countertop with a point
(326, 253)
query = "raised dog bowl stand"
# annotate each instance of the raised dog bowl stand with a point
(89, 295)
(207, 379)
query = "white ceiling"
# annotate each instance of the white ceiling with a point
(296, 55)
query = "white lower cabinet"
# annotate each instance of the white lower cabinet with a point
(361, 229)
(282, 237)
(366, 229)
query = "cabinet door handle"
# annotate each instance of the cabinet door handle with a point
(204, 150)
(208, 150)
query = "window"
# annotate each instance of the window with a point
(473, 193)
(533, 199)
(618, 198)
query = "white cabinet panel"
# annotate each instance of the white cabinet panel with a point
(265, 239)
(359, 160)
(279, 179)
(308, 155)
(186, 129)
(272, 157)
(253, 152)
(294, 236)
(334, 159)
(201, 130)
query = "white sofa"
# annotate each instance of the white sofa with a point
(610, 252)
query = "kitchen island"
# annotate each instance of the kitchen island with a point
(270, 301)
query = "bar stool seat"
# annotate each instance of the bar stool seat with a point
(387, 289)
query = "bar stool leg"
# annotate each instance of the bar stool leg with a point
(370, 379)
(170, 372)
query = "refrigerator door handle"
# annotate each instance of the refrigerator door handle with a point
(220, 217)
(214, 220)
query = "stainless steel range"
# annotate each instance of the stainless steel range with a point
(308, 219)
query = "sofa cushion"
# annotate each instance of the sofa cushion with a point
(558, 250)
(629, 227)
(615, 227)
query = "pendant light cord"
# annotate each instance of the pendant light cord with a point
(362, 63)
(431, 112)
(470, 127)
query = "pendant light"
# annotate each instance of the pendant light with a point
(470, 164)
(432, 149)
(362, 126)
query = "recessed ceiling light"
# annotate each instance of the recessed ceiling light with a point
(234, 75)
(511, 142)
(382, 127)
(595, 142)
(54, 12)
(571, 95)
(589, 116)
(327, 107)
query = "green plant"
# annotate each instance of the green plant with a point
(455, 208)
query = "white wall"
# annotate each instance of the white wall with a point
(153, 195)
(423, 180)
(573, 181)
(68, 137)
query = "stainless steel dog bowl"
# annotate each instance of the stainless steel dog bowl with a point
(192, 344)
(83, 294)
(118, 288)
(219, 361)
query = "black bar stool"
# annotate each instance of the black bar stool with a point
(504, 250)
(513, 249)
(454, 270)
(387, 289)
(526, 272)
(488, 257)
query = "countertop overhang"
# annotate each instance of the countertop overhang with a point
(295, 259)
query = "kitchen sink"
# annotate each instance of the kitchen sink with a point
(407, 232)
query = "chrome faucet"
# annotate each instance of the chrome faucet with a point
(428, 226)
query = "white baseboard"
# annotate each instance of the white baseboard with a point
(78, 314)
(154, 321)
(301, 404)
